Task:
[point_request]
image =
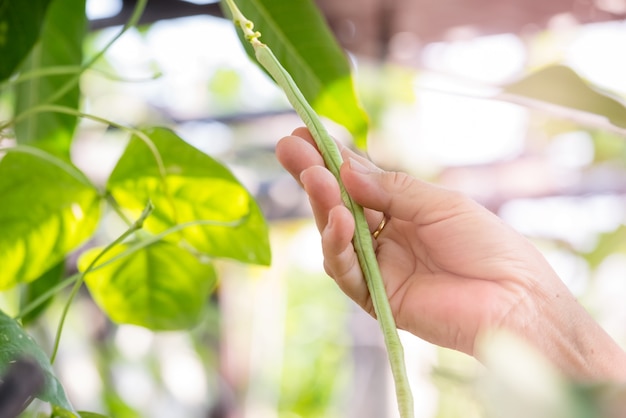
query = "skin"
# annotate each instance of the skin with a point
(453, 271)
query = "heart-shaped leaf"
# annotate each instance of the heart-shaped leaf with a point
(46, 212)
(61, 44)
(195, 187)
(20, 24)
(301, 40)
(160, 287)
(15, 344)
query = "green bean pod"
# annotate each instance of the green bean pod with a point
(362, 239)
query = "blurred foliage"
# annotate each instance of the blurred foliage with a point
(384, 86)
(16, 40)
(60, 45)
(226, 87)
(609, 148)
(560, 85)
(316, 375)
(607, 244)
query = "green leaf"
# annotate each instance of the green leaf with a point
(60, 44)
(45, 213)
(20, 24)
(301, 40)
(161, 286)
(560, 85)
(37, 288)
(63, 413)
(196, 187)
(607, 243)
(14, 344)
(114, 404)
(608, 147)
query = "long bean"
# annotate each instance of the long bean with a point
(362, 239)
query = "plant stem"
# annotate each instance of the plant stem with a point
(70, 111)
(132, 249)
(72, 69)
(117, 209)
(134, 19)
(362, 239)
(137, 225)
(47, 295)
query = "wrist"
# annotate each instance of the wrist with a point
(571, 339)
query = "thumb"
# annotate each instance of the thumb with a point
(398, 194)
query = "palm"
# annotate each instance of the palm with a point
(451, 272)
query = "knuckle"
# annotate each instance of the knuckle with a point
(401, 182)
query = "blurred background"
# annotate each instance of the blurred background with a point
(284, 341)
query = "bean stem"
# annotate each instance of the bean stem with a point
(362, 239)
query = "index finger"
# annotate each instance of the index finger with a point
(297, 154)
(304, 133)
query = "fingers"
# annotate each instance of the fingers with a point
(323, 192)
(336, 225)
(340, 260)
(304, 133)
(298, 153)
(398, 194)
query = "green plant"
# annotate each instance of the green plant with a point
(182, 208)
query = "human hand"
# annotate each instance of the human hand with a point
(452, 269)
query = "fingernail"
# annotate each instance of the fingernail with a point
(358, 167)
